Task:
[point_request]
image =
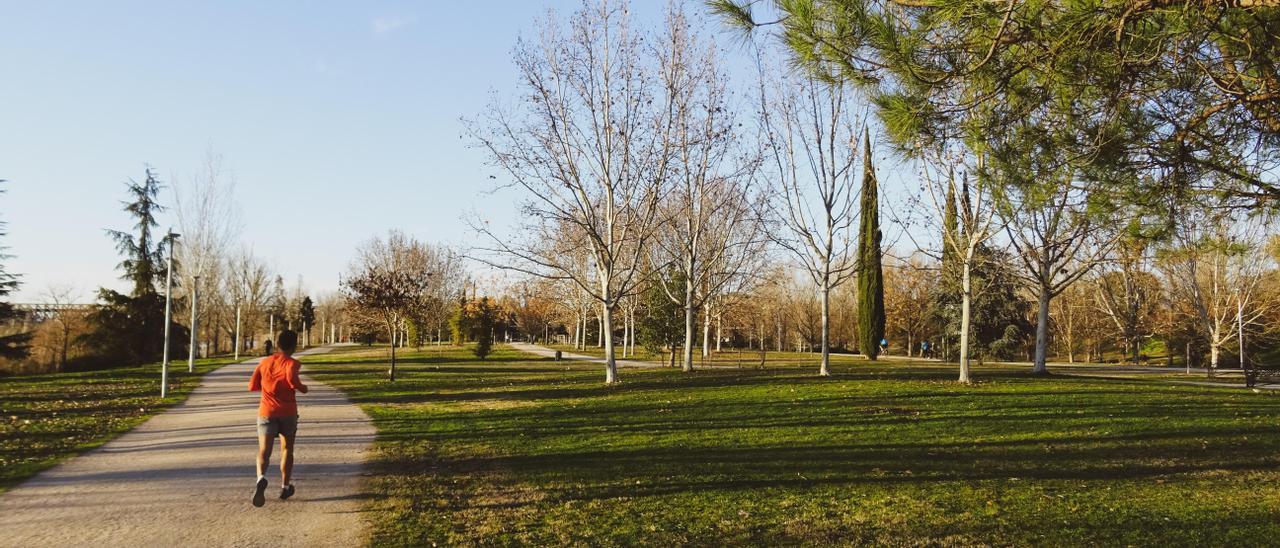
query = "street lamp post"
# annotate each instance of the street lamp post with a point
(168, 314)
(195, 327)
(238, 343)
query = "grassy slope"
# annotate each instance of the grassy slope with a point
(518, 450)
(47, 418)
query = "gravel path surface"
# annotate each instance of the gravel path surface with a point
(185, 478)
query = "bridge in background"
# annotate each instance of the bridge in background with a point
(41, 312)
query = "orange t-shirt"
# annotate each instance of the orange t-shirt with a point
(277, 377)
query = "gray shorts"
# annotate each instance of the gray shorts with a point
(277, 426)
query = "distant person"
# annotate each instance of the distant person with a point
(268, 348)
(277, 378)
(924, 349)
(884, 345)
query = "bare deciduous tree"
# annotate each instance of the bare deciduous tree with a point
(1218, 267)
(970, 208)
(711, 229)
(249, 282)
(1054, 233)
(59, 298)
(387, 279)
(209, 220)
(1127, 292)
(811, 152)
(590, 150)
(907, 285)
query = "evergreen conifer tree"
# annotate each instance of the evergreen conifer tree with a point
(661, 322)
(483, 328)
(870, 274)
(15, 346)
(129, 329)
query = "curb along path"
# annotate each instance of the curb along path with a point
(185, 477)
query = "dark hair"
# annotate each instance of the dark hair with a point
(287, 341)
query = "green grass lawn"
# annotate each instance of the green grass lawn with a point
(727, 357)
(518, 450)
(47, 418)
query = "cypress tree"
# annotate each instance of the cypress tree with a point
(944, 309)
(870, 274)
(950, 228)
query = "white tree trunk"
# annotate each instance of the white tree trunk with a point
(391, 371)
(719, 330)
(626, 332)
(825, 369)
(631, 335)
(579, 332)
(966, 290)
(1042, 332)
(606, 329)
(686, 355)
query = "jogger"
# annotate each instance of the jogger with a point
(277, 378)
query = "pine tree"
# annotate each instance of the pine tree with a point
(661, 322)
(870, 274)
(15, 346)
(483, 328)
(307, 313)
(129, 329)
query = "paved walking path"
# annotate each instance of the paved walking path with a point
(185, 478)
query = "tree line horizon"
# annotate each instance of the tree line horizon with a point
(1070, 209)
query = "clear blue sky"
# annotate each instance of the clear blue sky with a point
(339, 120)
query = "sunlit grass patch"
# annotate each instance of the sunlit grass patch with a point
(524, 450)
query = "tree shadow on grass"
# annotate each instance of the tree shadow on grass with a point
(665, 471)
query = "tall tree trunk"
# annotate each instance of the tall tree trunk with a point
(719, 330)
(1215, 352)
(706, 332)
(825, 369)
(966, 295)
(606, 329)
(391, 373)
(1042, 332)
(779, 341)
(689, 319)
(577, 329)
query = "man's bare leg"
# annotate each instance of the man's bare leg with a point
(264, 454)
(264, 457)
(286, 459)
